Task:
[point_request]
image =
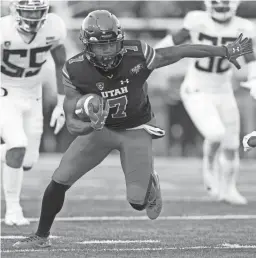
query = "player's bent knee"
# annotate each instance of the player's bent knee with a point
(14, 157)
(63, 177)
(216, 136)
(136, 194)
(138, 207)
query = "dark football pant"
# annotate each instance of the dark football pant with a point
(86, 152)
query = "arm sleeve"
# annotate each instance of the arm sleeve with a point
(149, 54)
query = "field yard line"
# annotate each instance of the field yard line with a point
(189, 248)
(21, 237)
(145, 218)
(118, 241)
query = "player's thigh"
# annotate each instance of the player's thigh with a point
(84, 153)
(33, 126)
(137, 162)
(11, 123)
(204, 115)
(230, 116)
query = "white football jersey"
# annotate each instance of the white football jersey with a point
(21, 62)
(212, 74)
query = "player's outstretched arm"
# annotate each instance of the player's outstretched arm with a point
(74, 125)
(170, 55)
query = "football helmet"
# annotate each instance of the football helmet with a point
(102, 37)
(222, 10)
(30, 15)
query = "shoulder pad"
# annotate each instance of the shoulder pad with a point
(79, 58)
(193, 19)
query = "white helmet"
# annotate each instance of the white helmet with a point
(222, 10)
(30, 15)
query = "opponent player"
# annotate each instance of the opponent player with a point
(117, 70)
(208, 96)
(28, 34)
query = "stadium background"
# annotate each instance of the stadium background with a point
(150, 21)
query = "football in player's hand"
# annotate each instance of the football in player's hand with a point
(83, 104)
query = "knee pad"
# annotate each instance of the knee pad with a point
(215, 135)
(138, 207)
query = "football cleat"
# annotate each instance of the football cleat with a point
(33, 241)
(233, 197)
(15, 217)
(154, 206)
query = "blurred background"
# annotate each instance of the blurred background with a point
(150, 21)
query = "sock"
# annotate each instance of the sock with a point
(52, 203)
(12, 183)
(229, 171)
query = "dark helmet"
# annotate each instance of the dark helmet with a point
(101, 29)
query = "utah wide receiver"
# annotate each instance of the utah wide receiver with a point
(28, 34)
(208, 96)
(116, 70)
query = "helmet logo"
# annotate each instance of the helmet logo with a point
(100, 85)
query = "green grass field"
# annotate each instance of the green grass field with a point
(97, 221)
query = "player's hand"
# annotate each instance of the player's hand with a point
(238, 48)
(249, 141)
(57, 119)
(98, 119)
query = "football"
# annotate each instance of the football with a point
(83, 103)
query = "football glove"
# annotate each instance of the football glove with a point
(98, 119)
(58, 116)
(238, 48)
(246, 139)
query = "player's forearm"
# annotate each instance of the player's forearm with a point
(200, 51)
(170, 55)
(78, 127)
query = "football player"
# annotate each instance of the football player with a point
(27, 37)
(208, 96)
(117, 70)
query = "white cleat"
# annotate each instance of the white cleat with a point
(154, 206)
(233, 197)
(15, 218)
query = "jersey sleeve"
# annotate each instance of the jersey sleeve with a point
(149, 54)
(66, 78)
(61, 30)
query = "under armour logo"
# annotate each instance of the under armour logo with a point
(236, 49)
(124, 82)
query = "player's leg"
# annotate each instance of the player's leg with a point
(204, 115)
(142, 182)
(15, 146)
(84, 153)
(49, 83)
(229, 153)
(33, 126)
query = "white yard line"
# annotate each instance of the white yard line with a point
(118, 242)
(145, 218)
(21, 237)
(189, 248)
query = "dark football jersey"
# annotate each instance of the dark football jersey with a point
(125, 89)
